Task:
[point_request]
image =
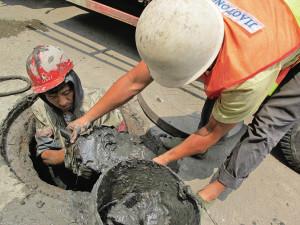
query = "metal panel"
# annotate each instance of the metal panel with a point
(106, 10)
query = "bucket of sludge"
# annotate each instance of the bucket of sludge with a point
(136, 192)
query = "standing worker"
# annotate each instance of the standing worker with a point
(241, 50)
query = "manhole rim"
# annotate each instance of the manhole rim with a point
(13, 114)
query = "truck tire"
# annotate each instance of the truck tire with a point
(290, 147)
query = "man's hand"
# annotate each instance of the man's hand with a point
(196, 143)
(162, 160)
(211, 191)
(78, 126)
(53, 157)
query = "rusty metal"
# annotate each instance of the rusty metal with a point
(107, 10)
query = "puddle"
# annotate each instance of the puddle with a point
(13, 27)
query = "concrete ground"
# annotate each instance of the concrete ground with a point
(103, 49)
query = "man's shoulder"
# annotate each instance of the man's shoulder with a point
(38, 106)
(91, 96)
(39, 111)
(93, 92)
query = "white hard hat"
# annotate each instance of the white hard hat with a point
(179, 39)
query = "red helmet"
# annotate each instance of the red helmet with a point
(47, 67)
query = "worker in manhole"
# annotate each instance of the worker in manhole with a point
(241, 50)
(61, 100)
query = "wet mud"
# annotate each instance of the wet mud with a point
(105, 147)
(141, 192)
(139, 208)
(13, 27)
(128, 192)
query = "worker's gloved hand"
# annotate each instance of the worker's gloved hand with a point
(78, 126)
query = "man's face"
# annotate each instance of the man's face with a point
(63, 99)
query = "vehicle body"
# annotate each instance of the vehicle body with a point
(127, 11)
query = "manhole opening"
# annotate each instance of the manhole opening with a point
(18, 148)
(58, 175)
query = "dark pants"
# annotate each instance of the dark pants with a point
(274, 118)
(206, 112)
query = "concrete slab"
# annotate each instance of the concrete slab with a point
(103, 50)
(179, 107)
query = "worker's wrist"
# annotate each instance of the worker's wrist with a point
(161, 160)
(87, 118)
(167, 157)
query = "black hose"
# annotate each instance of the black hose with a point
(15, 77)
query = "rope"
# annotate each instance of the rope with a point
(14, 77)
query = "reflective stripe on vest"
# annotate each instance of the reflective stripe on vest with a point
(243, 55)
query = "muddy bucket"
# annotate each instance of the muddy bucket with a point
(138, 192)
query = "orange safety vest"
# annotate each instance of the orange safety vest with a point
(274, 36)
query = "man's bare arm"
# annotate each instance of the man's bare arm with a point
(196, 143)
(118, 94)
(121, 91)
(53, 157)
